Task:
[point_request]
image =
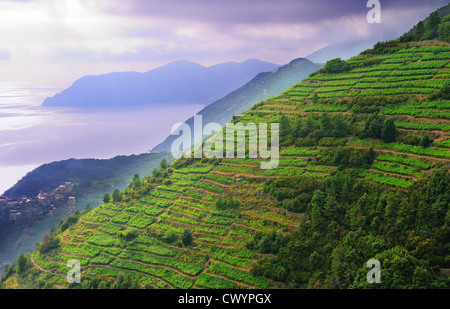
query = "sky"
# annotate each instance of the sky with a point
(58, 41)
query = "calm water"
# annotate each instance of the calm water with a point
(31, 135)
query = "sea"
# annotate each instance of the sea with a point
(32, 135)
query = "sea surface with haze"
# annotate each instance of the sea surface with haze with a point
(32, 135)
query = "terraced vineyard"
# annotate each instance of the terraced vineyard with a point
(207, 223)
(138, 234)
(405, 78)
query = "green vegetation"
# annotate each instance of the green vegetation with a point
(236, 274)
(419, 164)
(378, 224)
(336, 66)
(101, 239)
(210, 282)
(388, 180)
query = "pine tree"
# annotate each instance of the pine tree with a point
(88, 208)
(106, 198)
(297, 128)
(326, 124)
(21, 264)
(116, 196)
(444, 30)
(389, 132)
(186, 237)
(420, 29)
(432, 26)
(136, 182)
(339, 126)
(285, 126)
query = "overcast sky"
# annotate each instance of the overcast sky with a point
(58, 41)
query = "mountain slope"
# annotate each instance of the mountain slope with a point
(91, 179)
(263, 86)
(344, 50)
(176, 83)
(363, 174)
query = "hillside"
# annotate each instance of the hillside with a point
(180, 82)
(263, 86)
(344, 50)
(92, 178)
(363, 174)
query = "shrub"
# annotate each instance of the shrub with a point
(186, 237)
(128, 234)
(227, 203)
(336, 65)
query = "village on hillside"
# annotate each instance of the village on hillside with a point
(28, 208)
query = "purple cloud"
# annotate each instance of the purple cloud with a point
(94, 37)
(261, 11)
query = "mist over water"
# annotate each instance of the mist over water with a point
(32, 135)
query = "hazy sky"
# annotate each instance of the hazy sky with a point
(58, 41)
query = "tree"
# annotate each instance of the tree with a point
(315, 98)
(389, 132)
(70, 221)
(106, 198)
(425, 140)
(443, 93)
(311, 123)
(87, 209)
(125, 281)
(438, 186)
(432, 26)
(51, 241)
(336, 65)
(420, 29)
(186, 237)
(444, 31)
(285, 126)
(399, 270)
(297, 128)
(22, 264)
(422, 278)
(339, 126)
(318, 201)
(326, 124)
(224, 203)
(116, 196)
(136, 181)
(330, 208)
(128, 234)
(373, 126)
(265, 245)
(170, 237)
(163, 164)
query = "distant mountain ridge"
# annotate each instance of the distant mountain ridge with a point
(179, 82)
(49, 176)
(344, 50)
(263, 86)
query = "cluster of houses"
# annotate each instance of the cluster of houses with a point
(17, 210)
